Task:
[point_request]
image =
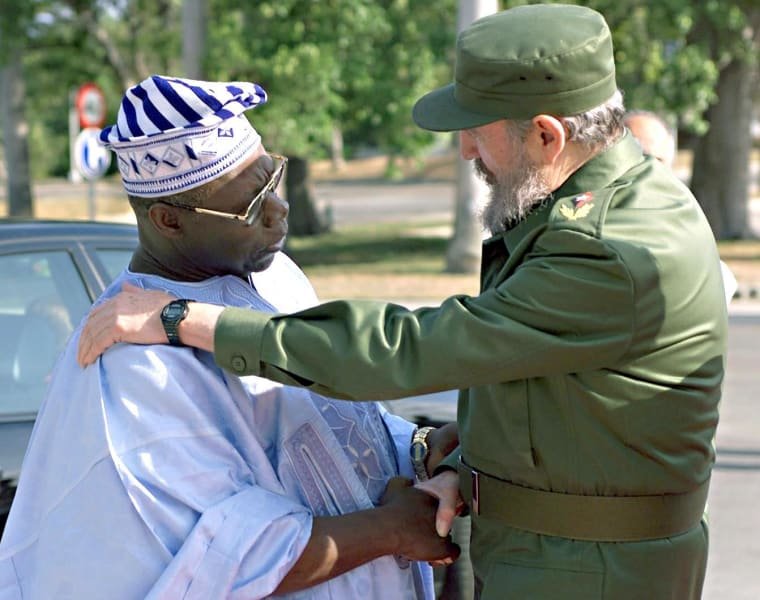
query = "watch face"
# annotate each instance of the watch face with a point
(173, 311)
(417, 450)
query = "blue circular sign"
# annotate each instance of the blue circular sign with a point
(91, 158)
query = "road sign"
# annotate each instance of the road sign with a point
(90, 157)
(91, 106)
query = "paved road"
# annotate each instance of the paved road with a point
(733, 570)
(354, 203)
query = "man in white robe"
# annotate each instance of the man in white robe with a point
(155, 474)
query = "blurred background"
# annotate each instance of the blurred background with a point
(343, 75)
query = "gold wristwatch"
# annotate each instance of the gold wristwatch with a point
(419, 452)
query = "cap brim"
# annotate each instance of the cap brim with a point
(439, 111)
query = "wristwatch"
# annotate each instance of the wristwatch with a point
(171, 316)
(419, 452)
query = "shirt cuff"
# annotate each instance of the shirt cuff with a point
(237, 340)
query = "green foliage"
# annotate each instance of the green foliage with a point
(15, 20)
(62, 52)
(669, 53)
(353, 64)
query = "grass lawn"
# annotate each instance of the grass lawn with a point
(386, 262)
(407, 262)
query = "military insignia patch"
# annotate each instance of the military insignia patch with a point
(582, 205)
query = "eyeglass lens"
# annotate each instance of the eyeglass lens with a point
(269, 187)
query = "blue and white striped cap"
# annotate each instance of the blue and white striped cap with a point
(174, 134)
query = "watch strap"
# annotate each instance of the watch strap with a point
(419, 452)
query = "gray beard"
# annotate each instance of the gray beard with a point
(512, 196)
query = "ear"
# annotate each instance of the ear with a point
(165, 219)
(550, 137)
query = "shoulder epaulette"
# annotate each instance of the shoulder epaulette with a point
(584, 212)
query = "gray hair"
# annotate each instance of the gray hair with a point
(596, 129)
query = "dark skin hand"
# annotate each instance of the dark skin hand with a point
(403, 525)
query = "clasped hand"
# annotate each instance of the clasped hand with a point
(412, 522)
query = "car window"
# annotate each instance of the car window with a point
(114, 260)
(43, 299)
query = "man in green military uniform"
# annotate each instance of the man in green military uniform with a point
(591, 362)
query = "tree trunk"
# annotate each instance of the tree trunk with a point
(16, 137)
(336, 149)
(304, 218)
(193, 37)
(720, 172)
(463, 253)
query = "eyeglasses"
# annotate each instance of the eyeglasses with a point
(253, 208)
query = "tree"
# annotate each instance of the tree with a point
(463, 253)
(721, 168)
(193, 37)
(696, 60)
(14, 20)
(112, 24)
(349, 65)
(295, 49)
(69, 42)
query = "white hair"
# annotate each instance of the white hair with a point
(596, 129)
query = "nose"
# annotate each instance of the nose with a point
(274, 210)
(468, 148)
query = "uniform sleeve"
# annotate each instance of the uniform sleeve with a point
(556, 313)
(186, 454)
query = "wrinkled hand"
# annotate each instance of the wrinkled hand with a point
(412, 515)
(445, 487)
(441, 442)
(133, 315)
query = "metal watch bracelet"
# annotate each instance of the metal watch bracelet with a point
(419, 452)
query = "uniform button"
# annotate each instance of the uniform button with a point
(238, 363)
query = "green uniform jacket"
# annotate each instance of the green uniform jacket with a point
(591, 363)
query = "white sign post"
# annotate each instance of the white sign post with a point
(92, 161)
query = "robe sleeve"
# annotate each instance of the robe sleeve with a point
(183, 443)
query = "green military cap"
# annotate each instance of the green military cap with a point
(538, 59)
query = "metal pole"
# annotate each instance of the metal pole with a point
(74, 175)
(91, 200)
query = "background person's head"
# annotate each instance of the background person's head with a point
(198, 178)
(534, 97)
(653, 134)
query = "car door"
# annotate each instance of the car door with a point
(48, 285)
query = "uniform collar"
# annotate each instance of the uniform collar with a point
(598, 173)
(603, 169)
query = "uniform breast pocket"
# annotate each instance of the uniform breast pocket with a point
(507, 581)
